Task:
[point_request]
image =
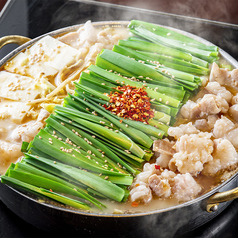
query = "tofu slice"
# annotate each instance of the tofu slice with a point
(16, 111)
(21, 64)
(54, 53)
(17, 87)
(42, 60)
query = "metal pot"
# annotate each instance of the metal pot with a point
(169, 222)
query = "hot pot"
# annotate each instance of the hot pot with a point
(169, 222)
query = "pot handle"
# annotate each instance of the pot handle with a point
(13, 39)
(215, 199)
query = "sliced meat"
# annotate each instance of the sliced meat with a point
(70, 39)
(224, 155)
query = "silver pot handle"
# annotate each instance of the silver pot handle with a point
(215, 199)
(13, 39)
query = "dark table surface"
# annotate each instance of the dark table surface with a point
(35, 17)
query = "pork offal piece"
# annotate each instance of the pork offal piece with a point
(224, 76)
(163, 160)
(148, 170)
(234, 99)
(160, 185)
(206, 124)
(224, 155)
(232, 137)
(209, 105)
(185, 187)
(233, 112)
(182, 187)
(141, 193)
(164, 147)
(183, 129)
(216, 89)
(222, 126)
(192, 152)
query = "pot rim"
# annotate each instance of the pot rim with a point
(118, 24)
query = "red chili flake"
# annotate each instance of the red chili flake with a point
(51, 190)
(130, 103)
(157, 166)
(134, 204)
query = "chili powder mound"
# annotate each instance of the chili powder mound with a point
(130, 103)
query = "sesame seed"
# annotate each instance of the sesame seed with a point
(40, 137)
(106, 177)
(62, 123)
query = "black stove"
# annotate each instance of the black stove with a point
(32, 18)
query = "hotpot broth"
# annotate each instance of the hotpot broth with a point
(7, 126)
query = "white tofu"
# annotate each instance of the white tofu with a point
(42, 60)
(16, 111)
(17, 87)
(22, 65)
(53, 52)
